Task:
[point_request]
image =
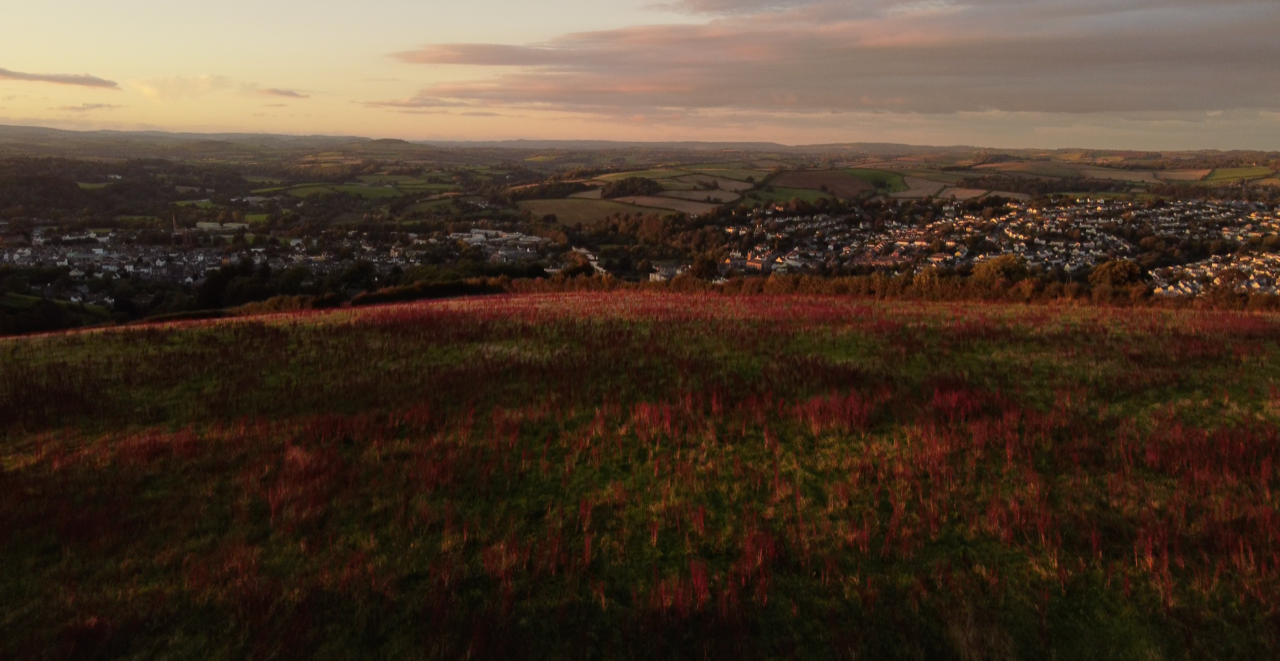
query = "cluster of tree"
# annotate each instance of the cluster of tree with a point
(1037, 187)
(1204, 161)
(1004, 279)
(51, 187)
(630, 186)
(630, 243)
(19, 316)
(548, 191)
(1232, 191)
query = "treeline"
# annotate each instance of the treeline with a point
(1036, 187)
(1119, 284)
(631, 186)
(242, 289)
(1244, 159)
(548, 191)
(51, 187)
(1229, 191)
(21, 316)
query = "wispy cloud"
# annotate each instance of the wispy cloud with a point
(183, 87)
(275, 91)
(889, 56)
(190, 87)
(82, 80)
(87, 107)
(420, 102)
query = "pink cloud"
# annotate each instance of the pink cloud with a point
(932, 56)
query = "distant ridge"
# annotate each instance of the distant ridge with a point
(33, 135)
(42, 141)
(860, 147)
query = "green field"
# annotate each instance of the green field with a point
(644, 174)
(731, 165)
(17, 301)
(1034, 168)
(369, 192)
(253, 218)
(889, 182)
(387, 179)
(425, 187)
(1105, 195)
(24, 314)
(1231, 174)
(571, 211)
(643, 475)
(672, 184)
(85, 186)
(938, 176)
(736, 174)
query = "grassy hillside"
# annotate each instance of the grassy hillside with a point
(646, 476)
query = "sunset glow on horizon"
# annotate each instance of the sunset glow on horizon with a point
(1127, 74)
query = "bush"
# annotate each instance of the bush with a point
(1011, 268)
(1120, 273)
(277, 304)
(425, 290)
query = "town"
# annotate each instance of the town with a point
(1218, 243)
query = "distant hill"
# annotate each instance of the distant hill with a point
(856, 147)
(34, 138)
(259, 147)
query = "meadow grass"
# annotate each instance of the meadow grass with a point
(640, 475)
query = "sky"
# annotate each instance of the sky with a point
(1103, 74)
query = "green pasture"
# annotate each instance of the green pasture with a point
(426, 187)
(576, 210)
(672, 184)
(729, 165)
(14, 301)
(368, 192)
(387, 179)
(953, 178)
(736, 174)
(1035, 168)
(1234, 174)
(889, 182)
(643, 174)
